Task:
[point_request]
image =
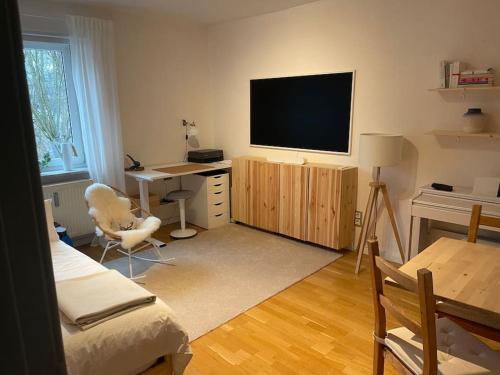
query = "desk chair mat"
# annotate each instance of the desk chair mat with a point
(183, 168)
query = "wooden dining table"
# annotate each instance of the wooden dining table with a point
(466, 282)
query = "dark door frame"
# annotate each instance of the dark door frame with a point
(31, 332)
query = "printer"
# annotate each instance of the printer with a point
(205, 156)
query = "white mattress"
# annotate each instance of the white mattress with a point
(70, 263)
(123, 345)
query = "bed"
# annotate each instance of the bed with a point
(127, 344)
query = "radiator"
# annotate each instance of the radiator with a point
(69, 207)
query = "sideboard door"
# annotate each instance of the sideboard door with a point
(293, 189)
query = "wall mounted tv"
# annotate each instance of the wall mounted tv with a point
(304, 113)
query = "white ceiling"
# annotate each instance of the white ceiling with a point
(205, 11)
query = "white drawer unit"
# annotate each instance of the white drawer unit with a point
(209, 206)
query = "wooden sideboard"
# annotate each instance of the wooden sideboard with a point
(310, 202)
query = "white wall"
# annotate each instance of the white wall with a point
(395, 47)
(169, 69)
(161, 69)
(162, 79)
(162, 76)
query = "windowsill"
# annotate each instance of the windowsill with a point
(56, 177)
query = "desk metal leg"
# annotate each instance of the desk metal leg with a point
(144, 198)
(144, 195)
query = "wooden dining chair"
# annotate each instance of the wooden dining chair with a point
(428, 347)
(476, 219)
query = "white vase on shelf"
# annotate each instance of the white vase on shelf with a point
(474, 121)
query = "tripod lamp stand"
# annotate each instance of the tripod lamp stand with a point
(378, 150)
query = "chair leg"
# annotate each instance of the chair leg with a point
(157, 251)
(130, 263)
(132, 277)
(105, 251)
(112, 245)
(161, 260)
(378, 358)
(95, 242)
(160, 257)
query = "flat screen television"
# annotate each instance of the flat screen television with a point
(305, 113)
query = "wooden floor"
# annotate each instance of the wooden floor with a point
(320, 325)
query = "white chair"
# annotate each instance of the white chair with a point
(181, 196)
(114, 215)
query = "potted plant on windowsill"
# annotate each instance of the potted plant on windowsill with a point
(44, 161)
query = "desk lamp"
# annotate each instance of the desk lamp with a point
(191, 131)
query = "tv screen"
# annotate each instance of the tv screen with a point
(305, 113)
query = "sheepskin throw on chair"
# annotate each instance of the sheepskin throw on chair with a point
(113, 214)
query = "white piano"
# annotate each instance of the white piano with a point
(449, 207)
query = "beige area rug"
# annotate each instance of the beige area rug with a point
(223, 272)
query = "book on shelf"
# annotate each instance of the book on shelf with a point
(479, 71)
(456, 68)
(476, 78)
(454, 75)
(484, 75)
(479, 81)
(443, 74)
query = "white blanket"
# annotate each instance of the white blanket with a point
(89, 300)
(125, 344)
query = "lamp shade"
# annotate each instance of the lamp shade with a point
(192, 130)
(380, 150)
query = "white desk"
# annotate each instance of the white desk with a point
(149, 174)
(451, 207)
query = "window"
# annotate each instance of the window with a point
(53, 103)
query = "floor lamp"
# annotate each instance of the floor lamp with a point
(378, 150)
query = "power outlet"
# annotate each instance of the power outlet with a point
(358, 218)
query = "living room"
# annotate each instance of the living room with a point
(180, 77)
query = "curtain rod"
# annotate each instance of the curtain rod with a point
(45, 35)
(45, 17)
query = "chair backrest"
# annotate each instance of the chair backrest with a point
(109, 208)
(422, 287)
(476, 219)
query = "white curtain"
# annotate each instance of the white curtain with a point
(93, 67)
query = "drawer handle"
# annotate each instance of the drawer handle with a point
(218, 215)
(217, 176)
(218, 185)
(218, 192)
(218, 204)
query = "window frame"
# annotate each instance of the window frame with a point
(55, 166)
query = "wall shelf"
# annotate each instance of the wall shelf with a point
(460, 134)
(464, 89)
